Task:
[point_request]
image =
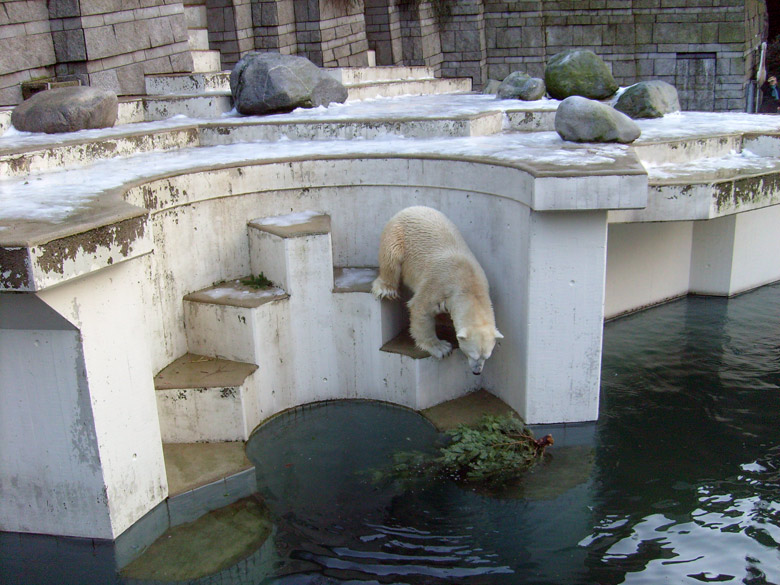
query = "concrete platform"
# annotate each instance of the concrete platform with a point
(193, 465)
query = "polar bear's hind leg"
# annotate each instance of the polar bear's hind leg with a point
(391, 255)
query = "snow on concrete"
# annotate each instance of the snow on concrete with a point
(53, 196)
(288, 219)
(688, 124)
(354, 277)
(224, 293)
(745, 162)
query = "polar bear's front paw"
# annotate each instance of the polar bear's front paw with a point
(381, 290)
(439, 349)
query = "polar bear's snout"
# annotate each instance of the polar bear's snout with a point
(477, 344)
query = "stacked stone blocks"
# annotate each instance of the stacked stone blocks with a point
(26, 47)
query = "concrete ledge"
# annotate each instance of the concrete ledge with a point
(198, 371)
(80, 151)
(258, 128)
(237, 294)
(293, 225)
(353, 279)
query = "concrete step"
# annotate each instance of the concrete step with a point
(232, 320)
(5, 118)
(423, 380)
(356, 75)
(198, 39)
(193, 465)
(685, 150)
(204, 399)
(211, 105)
(280, 245)
(230, 131)
(188, 83)
(17, 161)
(373, 89)
(206, 61)
(196, 16)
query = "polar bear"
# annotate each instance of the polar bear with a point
(424, 249)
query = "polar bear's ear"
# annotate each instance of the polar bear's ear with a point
(499, 335)
(462, 333)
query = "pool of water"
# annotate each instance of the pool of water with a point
(678, 483)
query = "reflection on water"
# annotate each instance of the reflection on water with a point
(681, 483)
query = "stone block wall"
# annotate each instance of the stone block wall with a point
(420, 38)
(704, 47)
(463, 42)
(383, 31)
(105, 43)
(274, 26)
(113, 43)
(26, 46)
(231, 29)
(332, 33)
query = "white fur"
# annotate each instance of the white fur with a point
(424, 249)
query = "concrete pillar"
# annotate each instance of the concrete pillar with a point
(76, 357)
(560, 367)
(736, 253)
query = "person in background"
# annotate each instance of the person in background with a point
(770, 101)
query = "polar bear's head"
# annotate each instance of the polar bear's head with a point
(478, 343)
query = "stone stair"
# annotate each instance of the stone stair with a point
(206, 94)
(203, 59)
(261, 351)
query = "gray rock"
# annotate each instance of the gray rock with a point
(66, 109)
(582, 120)
(262, 83)
(648, 99)
(521, 86)
(579, 72)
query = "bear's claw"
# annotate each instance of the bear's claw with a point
(439, 349)
(382, 291)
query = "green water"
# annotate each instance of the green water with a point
(678, 481)
(679, 485)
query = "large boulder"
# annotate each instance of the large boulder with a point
(521, 86)
(579, 72)
(263, 83)
(582, 120)
(648, 99)
(66, 109)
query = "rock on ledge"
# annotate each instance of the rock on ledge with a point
(264, 83)
(648, 99)
(66, 109)
(579, 72)
(583, 120)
